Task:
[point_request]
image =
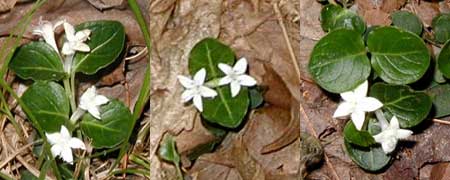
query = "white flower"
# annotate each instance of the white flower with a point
(75, 41)
(357, 104)
(389, 136)
(195, 89)
(90, 101)
(46, 30)
(235, 76)
(62, 142)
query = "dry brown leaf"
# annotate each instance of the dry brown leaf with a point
(6, 5)
(377, 17)
(106, 4)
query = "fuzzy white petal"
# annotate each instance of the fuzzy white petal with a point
(389, 145)
(246, 80)
(393, 124)
(53, 138)
(82, 35)
(207, 92)
(348, 96)
(225, 80)
(361, 90)
(186, 82)
(199, 77)
(235, 88)
(93, 110)
(70, 31)
(225, 68)
(79, 46)
(64, 133)
(187, 95)
(344, 109)
(66, 49)
(76, 143)
(66, 155)
(56, 150)
(403, 133)
(198, 103)
(241, 66)
(100, 100)
(358, 118)
(368, 104)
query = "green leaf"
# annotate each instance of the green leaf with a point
(224, 110)
(208, 53)
(168, 150)
(256, 97)
(338, 61)
(441, 27)
(407, 21)
(27, 175)
(440, 94)
(443, 60)
(48, 103)
(37, 61)
(398, 56)
(106, 41)
(369, 158)
(408, 106)
(334, 17)
(360, 138)
(373, 127)
(111, 129)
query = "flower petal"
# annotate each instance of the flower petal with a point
(56, 150)
(93, 110)
(387, 147)
(53, 138)
(65, 135)
(79, 46)
(186, 82)
(344, 109)
(403, 133)
(368, 104)
(235, 88)
(100, 100)
(82, 35)
(225, 80)
(393, 124)
(187, 95)
(198, 102)
(225, 68)
(76, 143)
(361, 90)
(246, 80)
(241, 66)
(207, 92)
(348, 96)
(358, 118)
(199, 77)
(70, 31)
(66, 49)
(66, 155)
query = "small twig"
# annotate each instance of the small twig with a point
(12, 156)
(441, 121)
(139, 54)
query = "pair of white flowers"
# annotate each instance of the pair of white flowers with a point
(74, 40)
(235, 76)
(356, 104)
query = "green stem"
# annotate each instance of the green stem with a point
(69, 94)
(5, 176)
(135, 171)
(140, 161)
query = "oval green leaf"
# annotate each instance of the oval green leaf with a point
(208, 53)
(48, 103)
(398, 56)
(334, 17)
(408, 106)
(369, 158)
(338, 61)
(37, 61)
(443, 60)
(106, 41)
(407, 21)
(168, 151)
(223, 109)
(440, 94)
(359, 138)
(112, 129)
(441, 27)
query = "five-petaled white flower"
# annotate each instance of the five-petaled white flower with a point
(62, 143)
(90, 101)
(46, 30)
(195, 89)
(357, 104)
(390, 135)
(75, 41)
(235, 76)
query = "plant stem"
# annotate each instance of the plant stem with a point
(140, 161)
(380, 116)
(5, 176)
(69, 94)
